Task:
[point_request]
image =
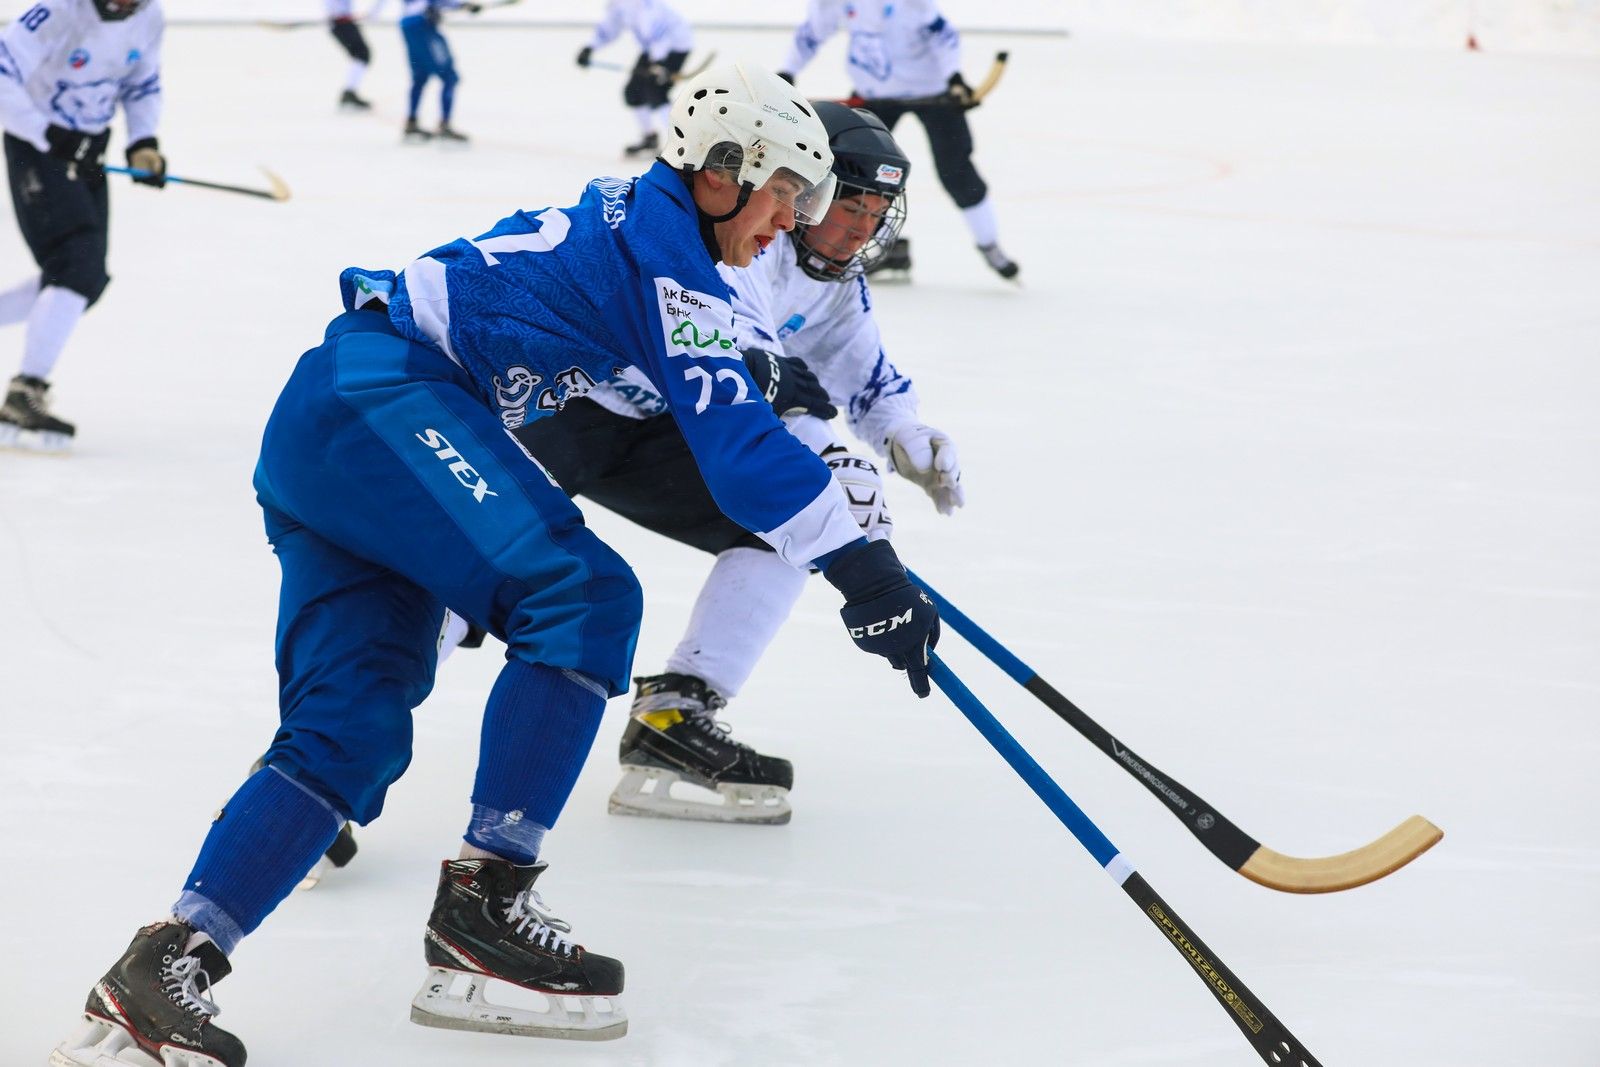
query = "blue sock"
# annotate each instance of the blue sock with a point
(537, 731)
(262, 843)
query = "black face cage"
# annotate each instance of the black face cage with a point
(876, 248)
(117, 10)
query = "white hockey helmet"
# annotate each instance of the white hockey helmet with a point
(751, 123)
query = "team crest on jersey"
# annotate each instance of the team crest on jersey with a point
(78, 59)
(889, 174)
(86, 105)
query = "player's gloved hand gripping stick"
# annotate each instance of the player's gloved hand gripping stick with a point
(885, 613)
(788, 384)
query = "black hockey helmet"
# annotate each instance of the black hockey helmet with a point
(866, 162)
(116, 10)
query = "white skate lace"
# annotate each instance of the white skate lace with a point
(535, 922)
(180, 984)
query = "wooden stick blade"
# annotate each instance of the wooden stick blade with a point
(1331, 874)
(280, 188)
(996, 69)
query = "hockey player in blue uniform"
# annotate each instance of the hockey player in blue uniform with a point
(429, 55)
(392, 487)
(65, 66)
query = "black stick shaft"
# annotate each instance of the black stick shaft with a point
(1210, 827)
(1266, 1034)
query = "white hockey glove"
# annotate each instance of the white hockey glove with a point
(863, 487)
(927, 457)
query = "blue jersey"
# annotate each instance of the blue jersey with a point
(549, 302)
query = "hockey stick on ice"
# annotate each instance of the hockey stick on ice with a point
(1270, 1038)
(278, 191)
(1231, 845)
(979, 91)
(681, 76)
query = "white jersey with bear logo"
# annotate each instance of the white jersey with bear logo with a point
(61, 65)
(897, 48)
(658, 29)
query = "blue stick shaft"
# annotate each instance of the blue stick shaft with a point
(997, 653)
(1054, 797)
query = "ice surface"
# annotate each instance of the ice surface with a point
(1282, 464)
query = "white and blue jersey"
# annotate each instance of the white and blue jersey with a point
(547, 303)
(62, 65)
(828, 324)
(659, 30)
(898, 48)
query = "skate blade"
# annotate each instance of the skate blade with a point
(38, 442)
(99, 1043)
(647, 792)
(565, 1017)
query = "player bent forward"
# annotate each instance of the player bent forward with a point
(392, 488)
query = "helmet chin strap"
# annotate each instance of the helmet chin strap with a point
(745, 189)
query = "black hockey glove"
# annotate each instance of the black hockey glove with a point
(85, 151)
(788, 384)
(584, 55)
(885, 614)
(144, 155)
(960, 92)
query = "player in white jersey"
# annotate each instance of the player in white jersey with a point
(803, 305)
(664, 40)
(347, 31)
(65, 65)
(905, 57)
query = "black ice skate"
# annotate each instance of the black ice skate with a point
(1003, 264)
(647, 145)
(25, 419)
(349, 101)
(448, 134)
(414, 134)
(489, 922)
(895, 266)
(674, 738)
(151, 1008)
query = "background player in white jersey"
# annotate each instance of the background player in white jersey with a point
(664, 40)
(905, 57)
(65, 65)
(429, 55)
(347, 31)
(802, 303)
(391, 486)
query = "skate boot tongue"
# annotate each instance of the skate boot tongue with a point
(211, 958)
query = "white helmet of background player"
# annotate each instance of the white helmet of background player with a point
(116, 10)
(751, 124)
(869, 205)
